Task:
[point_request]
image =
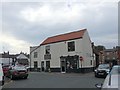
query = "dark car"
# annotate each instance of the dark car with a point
(18, 72)
(102, 70)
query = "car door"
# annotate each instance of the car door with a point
(1, 77)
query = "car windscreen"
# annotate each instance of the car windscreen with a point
(19, 68)
(115, 70)
(103, 67)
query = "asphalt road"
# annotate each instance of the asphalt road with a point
(55, 80)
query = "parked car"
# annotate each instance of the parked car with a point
(6, 69)
(27, 67)
(1, 77)
(112, 79)
(18, 72)
(102, 70)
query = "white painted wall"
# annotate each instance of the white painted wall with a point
(87, 50)
(32, 56)
(82, 48)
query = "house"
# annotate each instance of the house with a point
(22, 59)
(35, 58)
(70, 52)
(118, 54)
(12, 59)
(109, 56)
(6, 58)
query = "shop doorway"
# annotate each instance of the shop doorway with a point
(47, 66)
(42, 66)
(35, 65)
(63, 66)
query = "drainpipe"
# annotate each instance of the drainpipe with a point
(30, 61)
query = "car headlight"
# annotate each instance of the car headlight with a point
(95, 70)
(108, 71)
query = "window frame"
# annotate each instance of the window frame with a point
(35, 54)
(47, 49)
(71, 46)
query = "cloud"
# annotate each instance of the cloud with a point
(32, 22)
(109, 40)
(47, 14)
(12, 44)
(90, 1)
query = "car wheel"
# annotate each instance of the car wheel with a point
(96, 75)
(25, 77)
(11, 77)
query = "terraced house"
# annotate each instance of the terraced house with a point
(70, 52)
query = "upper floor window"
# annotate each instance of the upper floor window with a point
(35, 54)
(47, 50)
(108, 53)
(71, 46)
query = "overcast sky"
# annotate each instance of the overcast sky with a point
(25, 23)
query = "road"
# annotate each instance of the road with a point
(55, 80)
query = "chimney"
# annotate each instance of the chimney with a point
(8, 53)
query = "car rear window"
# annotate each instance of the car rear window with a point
(104, 66)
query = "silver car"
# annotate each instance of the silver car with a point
(1, 77)
(112, 79)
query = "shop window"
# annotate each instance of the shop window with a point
(71, 46)
(35, 54)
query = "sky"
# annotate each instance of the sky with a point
(26, 23)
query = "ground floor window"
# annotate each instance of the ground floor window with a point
(69, 63)
(35, 64)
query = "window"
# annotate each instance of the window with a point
(35, 54)
(35, 64)
(108, 53)
(71, 46)
(91, 62)
(113, 57)
(47, 50)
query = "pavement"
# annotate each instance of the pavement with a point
(7, 80)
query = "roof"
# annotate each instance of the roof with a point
(21, 56)
(109, 50)
(64, 37)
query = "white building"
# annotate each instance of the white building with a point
(70, 52)
(22, 59)
(6, 59)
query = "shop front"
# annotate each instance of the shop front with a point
(69, 63)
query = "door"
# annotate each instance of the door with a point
(47, 66)
(63, 66)
(35, 65)
(42, 66)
